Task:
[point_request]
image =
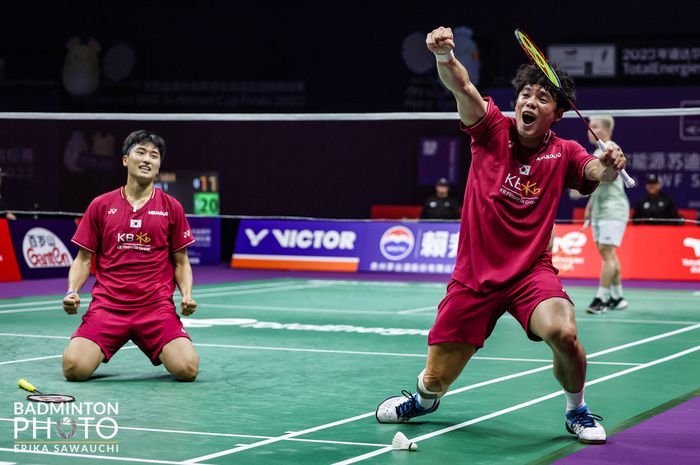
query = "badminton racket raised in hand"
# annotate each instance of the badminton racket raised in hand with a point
(539, 60)
(38, 396)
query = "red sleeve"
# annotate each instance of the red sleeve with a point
(485, 125)
(180, 232)
(575, 171)
(87, 235)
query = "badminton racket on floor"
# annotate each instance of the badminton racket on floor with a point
(38, 396)
(539, 60)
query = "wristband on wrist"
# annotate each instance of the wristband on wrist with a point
(446, 58)
(69, 293)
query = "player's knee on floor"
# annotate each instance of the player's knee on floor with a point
(74, 369)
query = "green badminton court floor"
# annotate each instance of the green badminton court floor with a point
(291, 372)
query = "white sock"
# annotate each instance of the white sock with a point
(425, 403)
(616, 291)
(602, 293)
(428, 397)
(574, 400)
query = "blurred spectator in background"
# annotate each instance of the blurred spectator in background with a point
(656, 207)
(608, 213)
(441, 206)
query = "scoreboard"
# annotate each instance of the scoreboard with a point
(197, 191)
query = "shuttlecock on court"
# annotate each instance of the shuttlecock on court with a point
(401, 442)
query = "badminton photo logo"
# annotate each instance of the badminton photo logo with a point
(65, 427)
(397, 243)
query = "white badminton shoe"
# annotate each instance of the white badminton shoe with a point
(584, 424)
(400, 409)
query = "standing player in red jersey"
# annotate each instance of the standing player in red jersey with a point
(139, 235)
(518, 172)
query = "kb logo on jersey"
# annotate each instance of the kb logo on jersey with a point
(141, 238)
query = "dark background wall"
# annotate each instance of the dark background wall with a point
(290, 57)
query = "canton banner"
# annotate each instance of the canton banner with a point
(44, 248)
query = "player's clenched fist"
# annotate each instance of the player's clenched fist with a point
(440, 41)
(71, 302)
(188, 306)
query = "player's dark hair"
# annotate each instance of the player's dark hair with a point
(531, 74)
(142, 136)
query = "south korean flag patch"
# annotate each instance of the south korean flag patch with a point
(525, 170)
(135, 223)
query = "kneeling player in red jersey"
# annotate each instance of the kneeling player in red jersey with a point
(139, 235)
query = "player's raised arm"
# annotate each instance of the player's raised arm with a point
(77, 275)
(454, 76)
(608, 164)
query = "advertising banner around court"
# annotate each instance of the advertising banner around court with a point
(420, 247)
(43, 247)
(206, 249)
(8, 264)
(298, 245)
(647, 252)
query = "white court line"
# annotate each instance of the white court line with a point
(388, 354)
(303, 309)
(30, 359)
(40, 336)
(513, 408)
(466, 388)
(328, 351)
(294, 349)
(48, 356)
(651, 322)
(88, 456)
(207, 433)
(212, 289)
(410, 311)
(56, 304)
(259, 290)
(55, 308)
(405, 285)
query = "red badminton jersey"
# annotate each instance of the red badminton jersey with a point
(511, 200)
(133, 247)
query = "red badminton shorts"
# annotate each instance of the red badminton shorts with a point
(150, 328)
(469, 317)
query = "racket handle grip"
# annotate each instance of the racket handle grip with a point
(626, 178)
(26, 385)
